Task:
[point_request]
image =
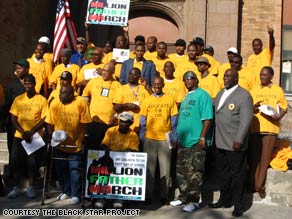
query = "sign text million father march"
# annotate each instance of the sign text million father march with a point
(116, 175)
(108, 12)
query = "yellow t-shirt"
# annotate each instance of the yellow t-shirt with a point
(29, 111)
(150, 55)
(158, 112)
(138, 65)
(126, 94)
(222, 70)
(117, 141)
(178, 60)
(69, 117)
(132, 54)
(175, 88)
(88, 71)
(255, 63)
(101, 95)
(159, 64)
(210, 84)
(272, 95)
(48, 57)
(41, 70)
(184, 67)
(55, 77)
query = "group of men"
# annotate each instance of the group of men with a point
(170, 101)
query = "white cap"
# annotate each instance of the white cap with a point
(126, 116)
(58, 137)
(44, 39)
(233, 50)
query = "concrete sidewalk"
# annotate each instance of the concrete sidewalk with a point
(258, 210)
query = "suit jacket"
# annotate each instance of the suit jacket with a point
(233, 119)
(148, 71)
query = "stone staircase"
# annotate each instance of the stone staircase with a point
(3, 151)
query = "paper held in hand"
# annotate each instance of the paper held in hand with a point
(269, 110)
(169, 139)
(36, 143)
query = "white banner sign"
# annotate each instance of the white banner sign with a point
(116, 175)
(108, 12)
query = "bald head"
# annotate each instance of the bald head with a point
(230, 78)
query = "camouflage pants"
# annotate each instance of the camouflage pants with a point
(189, 173)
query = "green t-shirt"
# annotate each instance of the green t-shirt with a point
(196, 107)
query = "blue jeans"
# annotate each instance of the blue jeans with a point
(69, 172)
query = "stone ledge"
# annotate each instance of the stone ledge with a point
(279, 187)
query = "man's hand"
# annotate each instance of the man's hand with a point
(202, 143)
(236, 146)
(270, 30)
(27, 136)
(133, 107)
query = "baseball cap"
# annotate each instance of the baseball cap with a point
(66, 52)
(189, 75)
(140, 38)
(197, 41)
(232, 49)
(202, 60)
(58, 137)
(209, 48)
(81, 40)
(66, 76)
(126, 117)
(180, 42)
(22, 62)
(44, 39)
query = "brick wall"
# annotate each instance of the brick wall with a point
(255, 18)
(22, 23)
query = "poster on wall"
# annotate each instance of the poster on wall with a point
(116, 175)
(108, 12)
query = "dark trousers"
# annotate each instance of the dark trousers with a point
(232, 167)
(96, 132)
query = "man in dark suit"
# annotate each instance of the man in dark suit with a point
(148, 70)
(233, 113)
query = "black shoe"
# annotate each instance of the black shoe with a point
(237, 212)
(203, 204)
(148, 201)
(164, 201)
(220, 205)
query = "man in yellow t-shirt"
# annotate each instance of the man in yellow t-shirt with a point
(230, 54)
(188, 65)
(91, 70)
(28, 112)
(158, 119)
(54, 80)
(208, 82)
(101, 92)
(172, 86)
(121, 137)
(151, 52)
(246, 79)
(130, 97)
(261, 57)
(179, 58)
(161, 58)
(69, 114)
(40, 69)
(264, 127)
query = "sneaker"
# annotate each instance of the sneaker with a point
(30, 192)
(75, 200)
(118, 204)
(14, 193)
(62, 196)
(190, 208)
(175, 203)
(99, 204)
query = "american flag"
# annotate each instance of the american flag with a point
(65, 32)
